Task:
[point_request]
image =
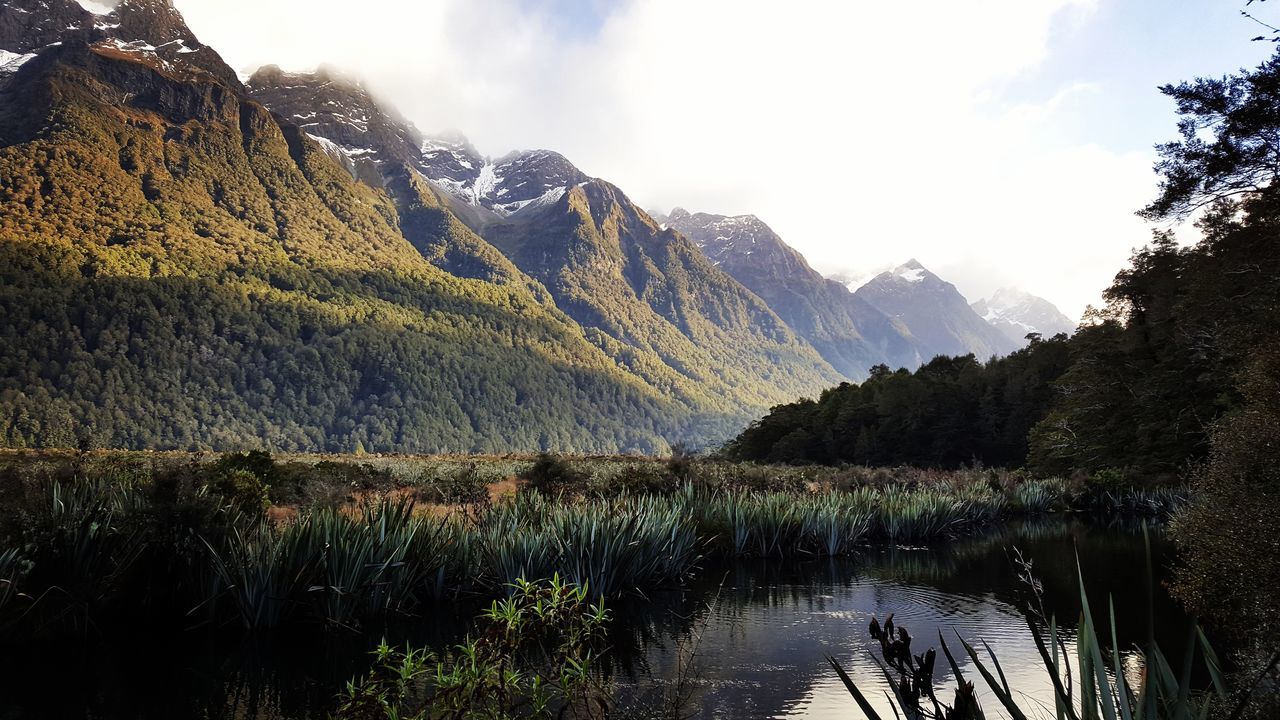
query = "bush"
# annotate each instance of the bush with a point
(242, 490)
(1230, 535)
(255, 462)
(534, 657)
(551, 475)
(1107, 480)
(464, 485)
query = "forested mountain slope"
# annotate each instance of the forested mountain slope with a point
(178, 268)
(647, 297)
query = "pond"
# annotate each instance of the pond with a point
(746, 640)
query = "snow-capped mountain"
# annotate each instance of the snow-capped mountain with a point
(149, 30)
(365, 134)
(935, 312)
(848, 332)
(1017, 313)
(506, 185)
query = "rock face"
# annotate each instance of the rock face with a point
(1017, 313)
(152, 31)
(361, 130)
(846, 330)
(937, 315)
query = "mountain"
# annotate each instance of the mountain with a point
(937, 315)
(181, 268)
(646, 296)
(151, 29)
(363, 132)
(1017, 313)
(612, 268)
(845, 329)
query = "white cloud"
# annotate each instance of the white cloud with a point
(865, 133)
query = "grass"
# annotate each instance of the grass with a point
(261, 542)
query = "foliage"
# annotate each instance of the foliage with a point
(1242, 115)
(950, 412)
(13, 567)
(1230, 532)
(534, 657)
(1161, 362)
(113, 535)
(551, 475)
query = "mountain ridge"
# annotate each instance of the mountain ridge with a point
(847, 331)
(643, 293)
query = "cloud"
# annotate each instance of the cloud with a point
(865, 133)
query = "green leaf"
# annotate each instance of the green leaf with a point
(858, 697)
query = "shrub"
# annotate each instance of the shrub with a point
(1106, 480)
(551, 475)
(242, 490)
(254, 462)
(464, 485)
(533, 657)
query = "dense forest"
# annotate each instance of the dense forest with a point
(950, 412)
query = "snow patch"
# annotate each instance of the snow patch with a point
(98, 7)
(913, 275)
(542, 200)
(10, 62)
(485, 183)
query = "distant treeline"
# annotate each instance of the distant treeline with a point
(950, 412)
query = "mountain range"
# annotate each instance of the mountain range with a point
(193, 261)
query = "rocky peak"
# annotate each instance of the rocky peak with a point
(733, 238)
(343, 113)
(155, 21)
(1017, 313)
(27, 26)
(150, 31)
(934, 311)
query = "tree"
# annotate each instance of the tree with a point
(1242, 114)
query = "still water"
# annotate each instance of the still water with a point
(745, 641)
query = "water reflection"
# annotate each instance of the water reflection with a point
(758, 646)
(746, 640)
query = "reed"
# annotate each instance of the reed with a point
(608, 547)
(13, 567)
(261, 572)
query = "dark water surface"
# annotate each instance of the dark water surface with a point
(746, 640)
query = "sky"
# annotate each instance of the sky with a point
(999, 142)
